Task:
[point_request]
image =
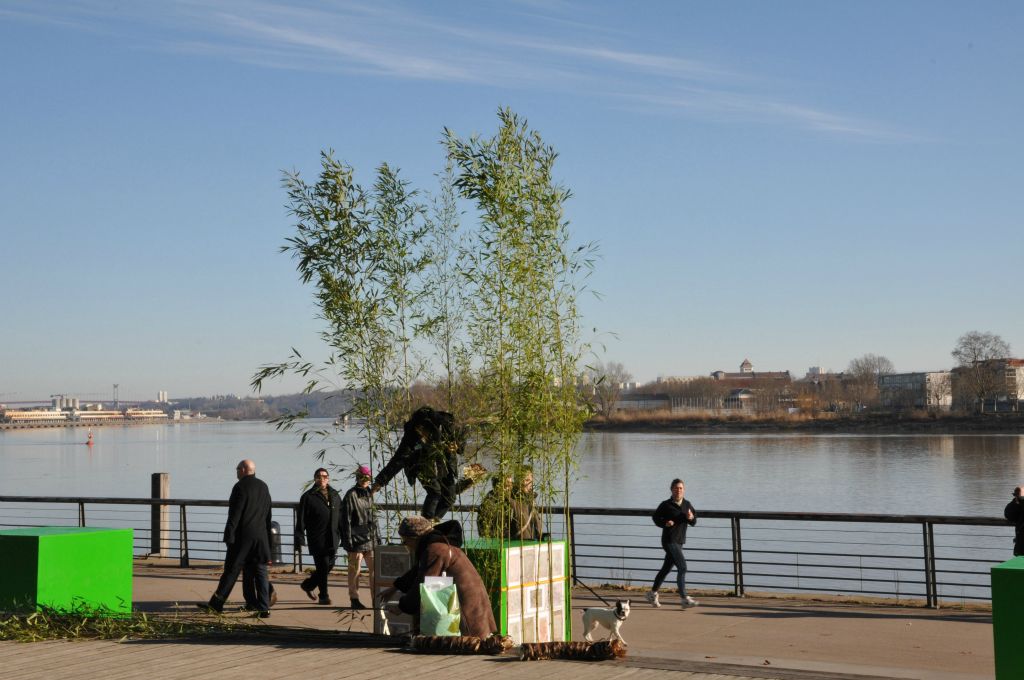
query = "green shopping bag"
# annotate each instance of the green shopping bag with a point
(439, 606)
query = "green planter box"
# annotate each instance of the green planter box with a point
(529, 587)
(1007, 623)
(66, 569)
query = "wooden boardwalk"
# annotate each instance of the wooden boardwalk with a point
(723, 638)
(281, 658)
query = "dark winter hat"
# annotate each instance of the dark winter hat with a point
(415, 526)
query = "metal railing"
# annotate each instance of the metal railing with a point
(917, 558)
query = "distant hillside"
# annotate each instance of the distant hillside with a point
(231, 407)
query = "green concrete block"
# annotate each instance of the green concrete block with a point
(79, 569)
(1007, 622)
(529, 586)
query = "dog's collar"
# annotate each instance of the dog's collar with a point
(621, 617)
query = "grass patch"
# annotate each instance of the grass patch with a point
(57, 625)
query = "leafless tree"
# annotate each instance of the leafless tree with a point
(978, 375)
(863, 375)
(607, 380)
(938, 388)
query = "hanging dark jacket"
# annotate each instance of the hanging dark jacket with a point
(1014, 513)
(319, 521)
(428, 453)
(358, 524)
(247, 531)
(668, 510)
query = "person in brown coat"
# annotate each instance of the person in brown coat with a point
(437, 549)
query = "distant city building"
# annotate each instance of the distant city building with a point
(741, 399)
(161, 397)
(676, 379)
(992, 385)
(925, 390)
(748, 377)
(643, 402)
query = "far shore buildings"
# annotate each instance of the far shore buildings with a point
(751, 390)
(989, 386)
(748, 377)
(929, 390)
(995, 385)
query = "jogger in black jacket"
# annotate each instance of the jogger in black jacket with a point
(674, 515)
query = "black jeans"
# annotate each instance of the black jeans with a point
(673, 558)
(253, 572)
(322, 568)
(252, 600)
(436, 506)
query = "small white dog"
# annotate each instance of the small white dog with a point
(609, 617)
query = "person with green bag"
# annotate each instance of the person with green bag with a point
(437, 550)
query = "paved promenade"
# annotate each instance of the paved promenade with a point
(722, 638)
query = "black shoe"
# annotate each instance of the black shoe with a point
(309, 592)
(324, 600)
(262, 615)
(356, 604)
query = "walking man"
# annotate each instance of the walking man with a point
(673, 516)
(320, 518)
(1014, 513)
(247, 536)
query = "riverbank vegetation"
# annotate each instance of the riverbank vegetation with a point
(884, 423)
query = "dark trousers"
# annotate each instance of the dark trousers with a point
(253, 572)
(436, 506)
(322, 568)
(252, 600)
(673, 558)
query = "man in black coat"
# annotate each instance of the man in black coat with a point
(319, 528)
(673, 516)
(1014, 513)
(247, 535)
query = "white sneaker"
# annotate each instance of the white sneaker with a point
(652, 597)
(689, 602)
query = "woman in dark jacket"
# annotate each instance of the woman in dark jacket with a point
(435, 550)
(358, 531)
(319, 527)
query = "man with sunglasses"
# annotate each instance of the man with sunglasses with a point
(319, 528)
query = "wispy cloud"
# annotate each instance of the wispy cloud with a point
(767, 110)
(407, 42)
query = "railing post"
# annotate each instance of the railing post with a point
(182, 537)
(929, 565)
(572, 544)
(160, 515)
(81, 513)
(932, 568)
(737, 557)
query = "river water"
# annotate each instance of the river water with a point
(969, 475)
(896, 474)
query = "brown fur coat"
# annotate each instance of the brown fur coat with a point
(439, 552)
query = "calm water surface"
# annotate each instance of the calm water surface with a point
(932, 474)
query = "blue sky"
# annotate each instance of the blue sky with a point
(797, 183)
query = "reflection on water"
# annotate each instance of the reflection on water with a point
(919, 474)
